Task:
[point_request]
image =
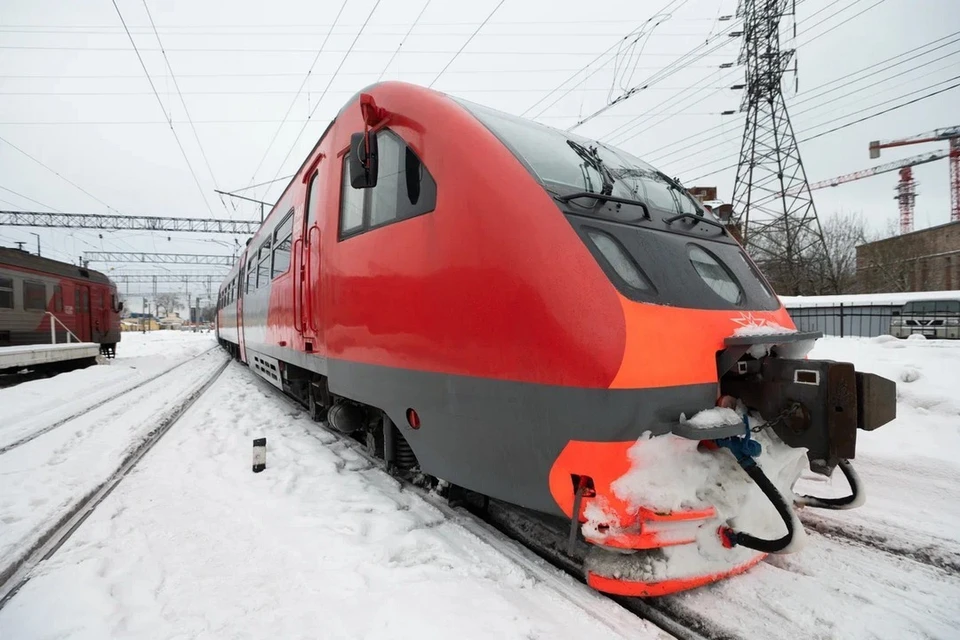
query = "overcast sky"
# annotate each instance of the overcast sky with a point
(75, 97)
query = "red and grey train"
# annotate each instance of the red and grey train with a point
(33, 289)
(508, 307)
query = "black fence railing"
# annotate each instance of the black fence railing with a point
(864, 321)
(867, 321)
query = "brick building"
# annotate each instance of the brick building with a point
(925, 260)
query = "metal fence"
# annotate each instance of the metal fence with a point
(865, 321)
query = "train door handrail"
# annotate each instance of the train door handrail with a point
(54, 321)
(298, 283)
(310, 313)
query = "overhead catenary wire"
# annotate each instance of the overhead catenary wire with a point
(567, 51)
(293, 102)
(623, 128)
(953, 38)
(619, 131)
(630, 129)
(831, 120)
(849, 124)
(464, 46)
(325, 89)
(163, 109)
(280, 74)
(58, 174)
(820, 105)
(183, 102)
(20, 195)
(25, 123)
(880, 113)
(403, 39)
(839, 24)
(666, 72)
(459, 23)
(632, 34)
(285, 93)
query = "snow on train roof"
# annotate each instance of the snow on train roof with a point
(867, 299)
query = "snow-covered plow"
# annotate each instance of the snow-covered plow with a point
(711, 498)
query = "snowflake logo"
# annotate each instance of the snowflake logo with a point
(752, 321)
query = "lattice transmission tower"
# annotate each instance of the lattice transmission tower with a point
(772, 203)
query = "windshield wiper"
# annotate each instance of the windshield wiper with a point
(605, 197)
(697, 219)
(592, 158)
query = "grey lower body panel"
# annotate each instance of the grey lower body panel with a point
(501, 437)
(308, 361)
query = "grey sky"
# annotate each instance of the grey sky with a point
(75, 97)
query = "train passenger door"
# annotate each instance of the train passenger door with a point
(81, 310)
(241, 294)
(308, 289)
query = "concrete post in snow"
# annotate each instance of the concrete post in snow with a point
(259, 454)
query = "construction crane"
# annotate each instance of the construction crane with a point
(906, 188)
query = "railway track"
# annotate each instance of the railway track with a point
(59, 423)
(15, 575)
(539, 554)
(731, 610)
(857, 535)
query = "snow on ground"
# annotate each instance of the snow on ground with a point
(867, 299)
(45, 476)
(32, 405)
(193, 544)
(911, 472)
(910, 468)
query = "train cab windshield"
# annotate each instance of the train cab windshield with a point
(566, 163)
(649, 235)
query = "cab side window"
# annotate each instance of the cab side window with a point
(404, 189)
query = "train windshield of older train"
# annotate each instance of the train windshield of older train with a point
(555, 162)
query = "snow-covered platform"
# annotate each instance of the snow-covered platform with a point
(32, 355)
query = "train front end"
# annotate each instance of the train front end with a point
(686, 474)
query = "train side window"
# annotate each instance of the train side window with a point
(57, 298)
(281, 245)
(34, 296)
(351, 204)
(85, 300)
(405, 188)
(6, 293)
(263, 269)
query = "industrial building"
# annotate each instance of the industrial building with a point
(925, 260)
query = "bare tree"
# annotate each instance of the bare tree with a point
(812, 268)
(883, 266)
(842, 233)
(169, 302)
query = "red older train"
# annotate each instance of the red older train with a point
(33, 290)
(518, 311)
